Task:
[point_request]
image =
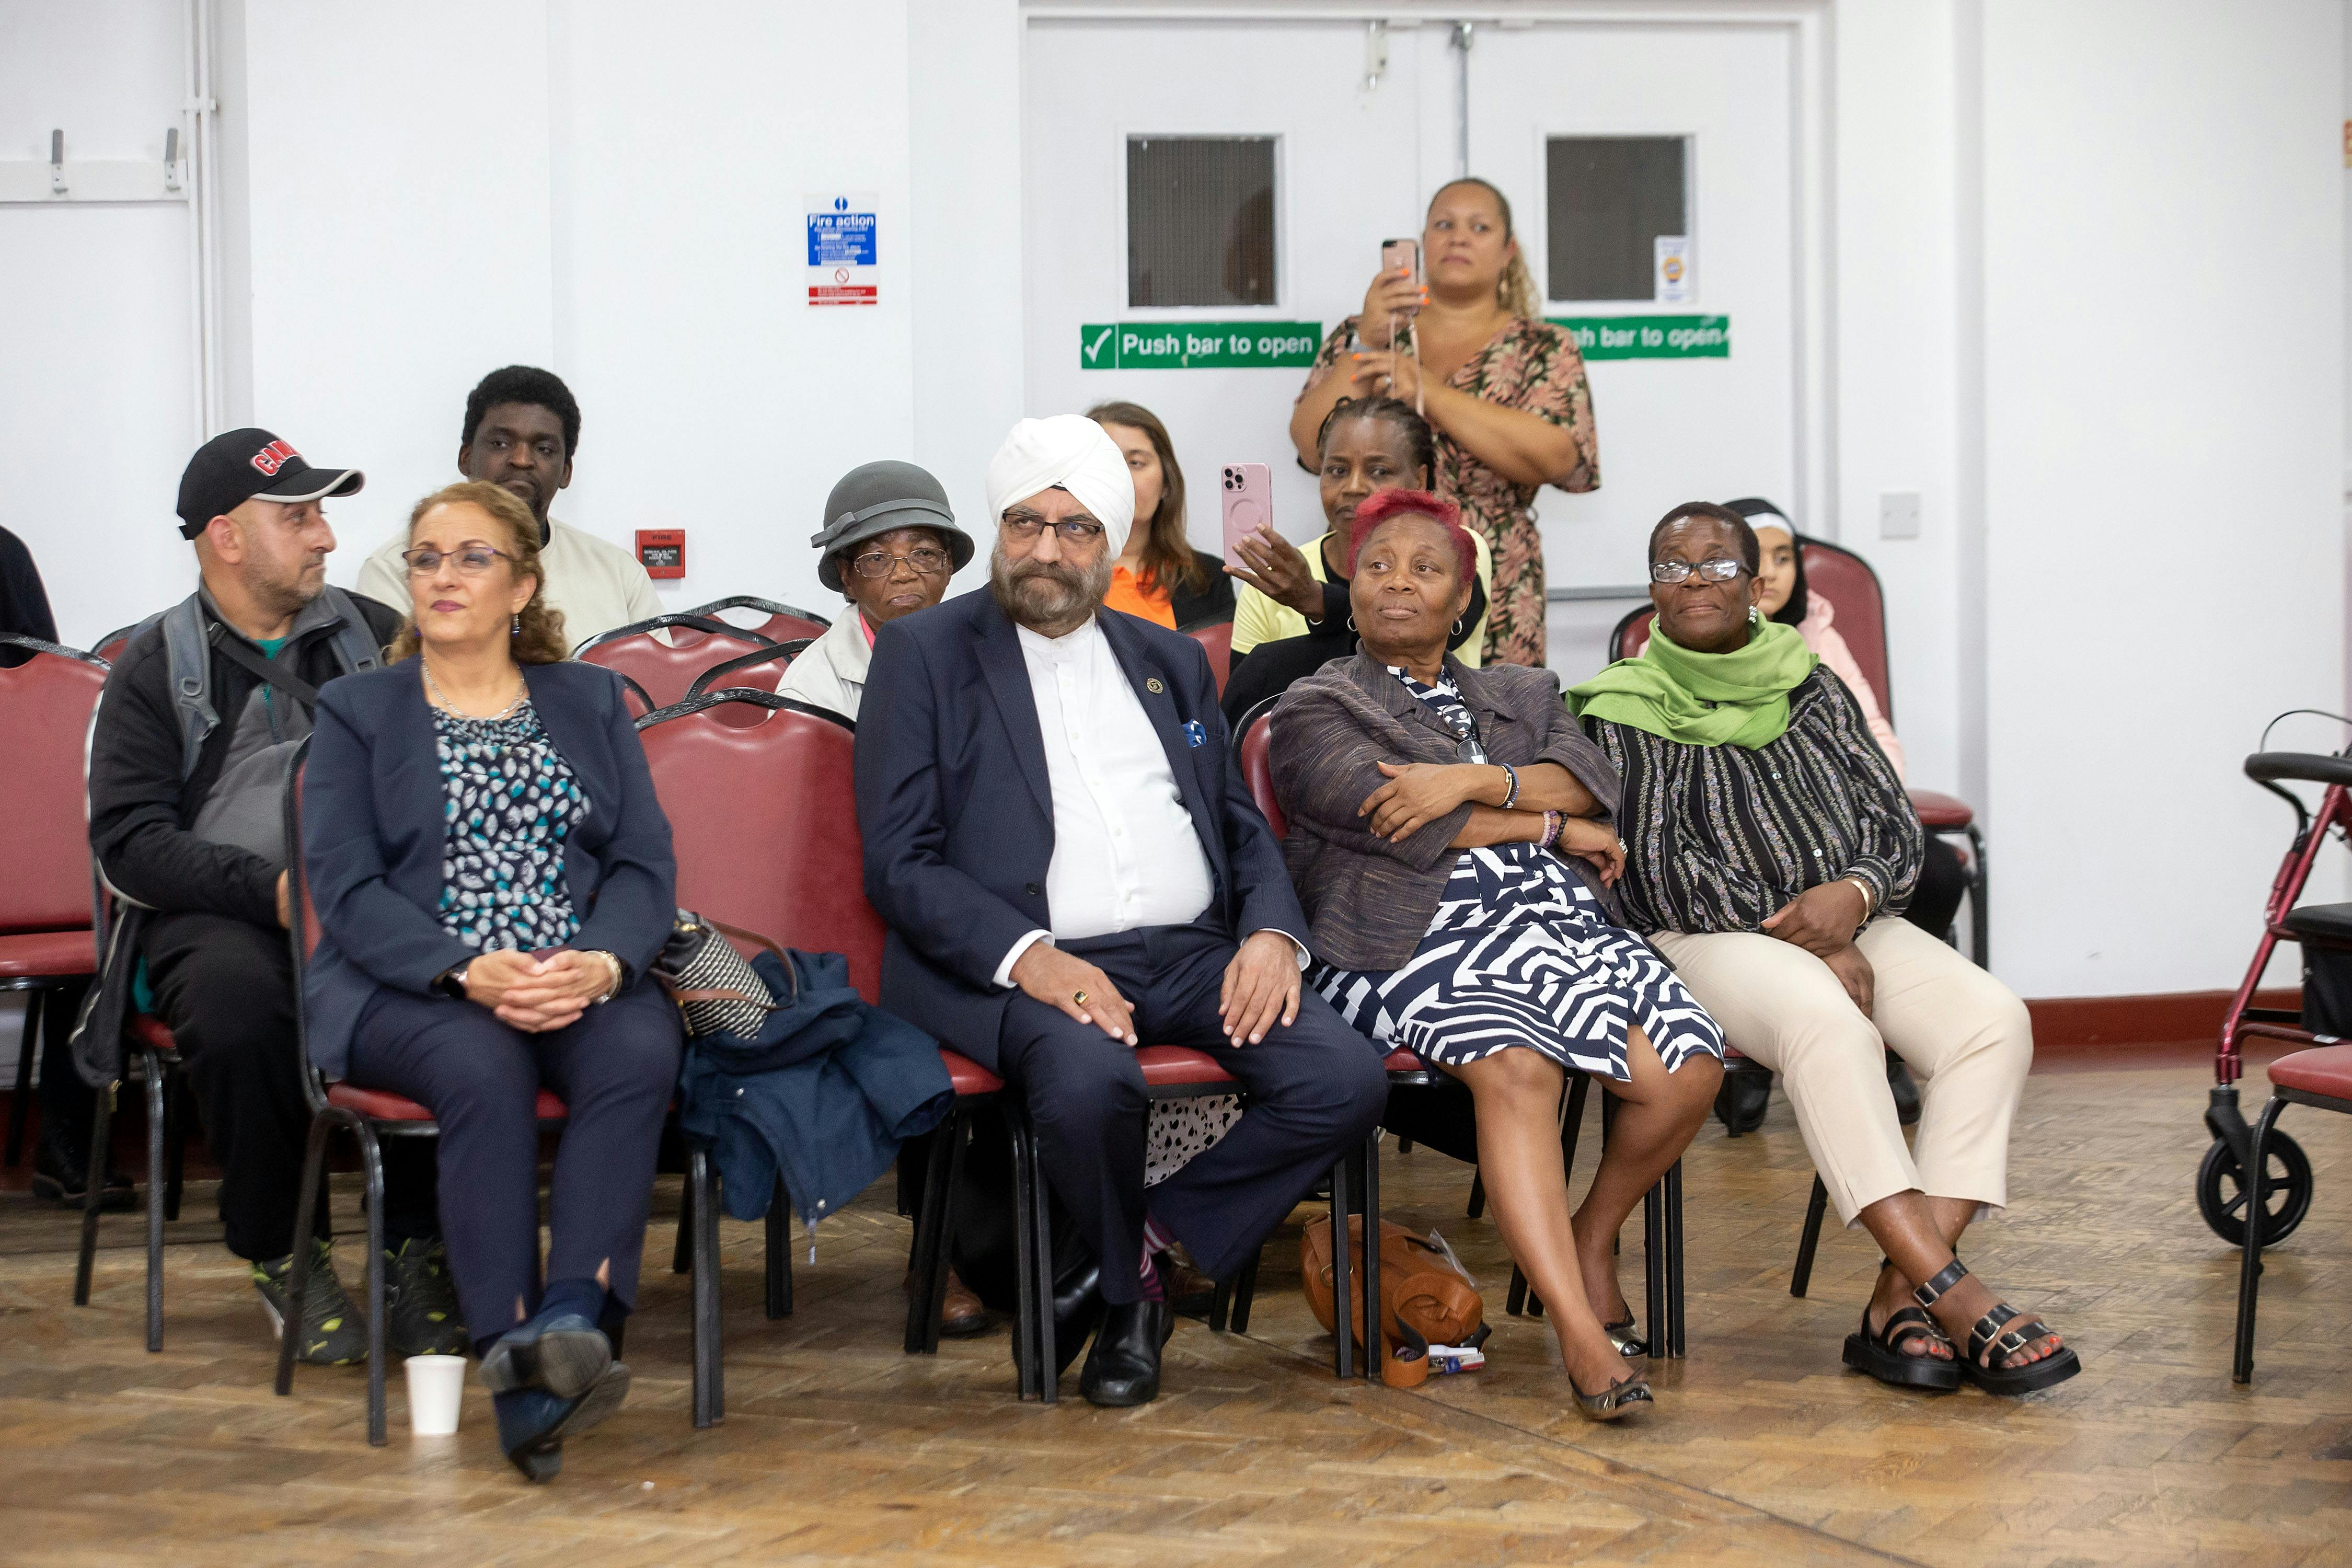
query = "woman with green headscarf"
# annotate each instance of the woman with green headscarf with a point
(1767, 835)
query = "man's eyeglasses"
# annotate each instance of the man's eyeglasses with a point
(472, 561)
(1073, 531)
(927, 562)
(1716, 569)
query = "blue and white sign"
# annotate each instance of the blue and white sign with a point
(841, 248)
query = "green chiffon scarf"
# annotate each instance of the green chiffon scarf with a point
(1738, 699)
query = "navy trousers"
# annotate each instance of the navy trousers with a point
(1314, 1090)
(614, 1069)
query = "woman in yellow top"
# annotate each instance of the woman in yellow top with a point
(1159, 577)
(1504, 389)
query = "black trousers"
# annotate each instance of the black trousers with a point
(1315, 1090)
(614, 1069)
(68, 1104)
(1943, 883)
(225, 987)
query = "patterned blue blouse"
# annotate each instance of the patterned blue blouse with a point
(510, 803)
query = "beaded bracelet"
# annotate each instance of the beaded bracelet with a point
(1513, 774)
(1552, 824)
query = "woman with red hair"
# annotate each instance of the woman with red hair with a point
(1450, 834)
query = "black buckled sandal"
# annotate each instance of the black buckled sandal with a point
(1883, 1356)
(1992, 1336)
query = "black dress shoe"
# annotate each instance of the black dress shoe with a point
(1745, 1094)
(62, 1175)
(1123, 1368)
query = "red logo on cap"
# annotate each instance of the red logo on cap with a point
(273, 456)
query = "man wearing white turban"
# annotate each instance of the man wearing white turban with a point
(1059, 837)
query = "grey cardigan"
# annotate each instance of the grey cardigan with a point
(1370, 901)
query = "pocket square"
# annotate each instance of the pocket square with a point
(1195, 732)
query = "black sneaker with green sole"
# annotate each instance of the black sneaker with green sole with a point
(420, 1304)
(333, 1332)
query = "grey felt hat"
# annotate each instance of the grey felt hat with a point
(876, 498)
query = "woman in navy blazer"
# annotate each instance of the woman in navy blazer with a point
(493, 877)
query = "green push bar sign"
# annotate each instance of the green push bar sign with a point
(1197, 345)
(1649, 337)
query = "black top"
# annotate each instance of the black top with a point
(25, 605)
(1213, 603)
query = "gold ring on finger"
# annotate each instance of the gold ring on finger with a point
(1079, 997)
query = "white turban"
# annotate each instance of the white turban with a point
(1073, 452)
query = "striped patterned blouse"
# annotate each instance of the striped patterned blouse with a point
(1722, 837)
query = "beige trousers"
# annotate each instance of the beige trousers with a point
(1965, 1035)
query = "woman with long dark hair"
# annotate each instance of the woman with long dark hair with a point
(1159, 577)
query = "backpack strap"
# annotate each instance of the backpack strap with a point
(355, 645)
(188, 657)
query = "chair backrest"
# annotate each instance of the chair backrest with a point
(1257, 768)
(761, 670)
(304, 934)
(765, 821)
(1847, 581)
(109, 647)
(665, 671)
(1837, 574)
(1217, 641)
(44, 710)
(784, 622)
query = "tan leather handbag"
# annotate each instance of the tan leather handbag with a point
(1423, 1301)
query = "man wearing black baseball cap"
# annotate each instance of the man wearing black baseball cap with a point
(188, 757)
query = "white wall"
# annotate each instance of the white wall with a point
(2086, 255)
(2163, 462)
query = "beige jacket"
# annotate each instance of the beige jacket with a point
(830, 673)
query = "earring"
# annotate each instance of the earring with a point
(1351, 624)
(1457, 626)
(515, 630)
(1755, 617)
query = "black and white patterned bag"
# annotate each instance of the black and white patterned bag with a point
(713, 984)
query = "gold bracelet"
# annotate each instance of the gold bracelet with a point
(618, 974)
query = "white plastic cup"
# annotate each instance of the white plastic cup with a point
(436, 1387)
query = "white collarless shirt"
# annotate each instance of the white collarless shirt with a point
(1126, 854)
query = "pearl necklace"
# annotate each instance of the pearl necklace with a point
(442, 698)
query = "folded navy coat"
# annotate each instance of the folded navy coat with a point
(824, 1094)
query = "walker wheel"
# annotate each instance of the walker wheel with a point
(2222, 1192)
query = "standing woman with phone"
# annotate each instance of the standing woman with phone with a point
(1504, 389)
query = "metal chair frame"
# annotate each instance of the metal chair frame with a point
(2250, 1266)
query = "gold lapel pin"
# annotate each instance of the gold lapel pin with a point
(1152, 684)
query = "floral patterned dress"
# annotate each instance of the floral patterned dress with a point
(1530, 365)
(510, 801)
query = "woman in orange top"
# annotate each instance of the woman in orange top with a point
(1160, 576)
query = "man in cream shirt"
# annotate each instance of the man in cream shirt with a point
(522, 428)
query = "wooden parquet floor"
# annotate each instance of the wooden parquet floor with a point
(839, 1449)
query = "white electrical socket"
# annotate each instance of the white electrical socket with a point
(1898, 514)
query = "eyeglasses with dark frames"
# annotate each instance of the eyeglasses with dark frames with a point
(1027, 525)
(926, 561)
(1714, 569)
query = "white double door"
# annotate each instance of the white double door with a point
(1358, 155)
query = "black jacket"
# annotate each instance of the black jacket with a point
(1213, 603)
(23, 605)
(140, 811)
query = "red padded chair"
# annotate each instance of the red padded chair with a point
(2320, 1077)
(371, 1115)
(46, 941)
(662, 670)
(784, 623)
(1846, 581)
(1217, 641)
(1662, 1207)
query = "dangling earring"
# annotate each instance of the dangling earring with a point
(515, 630)
(1755, 617)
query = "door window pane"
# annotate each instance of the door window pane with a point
(1606, 201)
(1199, 220)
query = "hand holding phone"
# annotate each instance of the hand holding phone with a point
(1247, 489)
(1395, 296)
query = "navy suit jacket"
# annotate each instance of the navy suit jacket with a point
(375, 830)
(958, 817)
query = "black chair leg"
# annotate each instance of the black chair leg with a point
(681, 1256)
(1979, 914)
(779, 1295)
(1653, 1268)
(2250, 1266)
(1245, 1293)
(709, 1363)
(1478, 1208)
(20, 1104)
(1041, 1249)
(1814, 1208)
(156, 1189)
(926, 1279)
(1674, 1296)
(1373, 1315)
(179, 1105)
(1030, 1356)
(101, 1128)
(298, 1276)
(1515, 1301)
(1343, 1302)
(372, 1162)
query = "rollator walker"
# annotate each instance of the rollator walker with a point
(2318, 929)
